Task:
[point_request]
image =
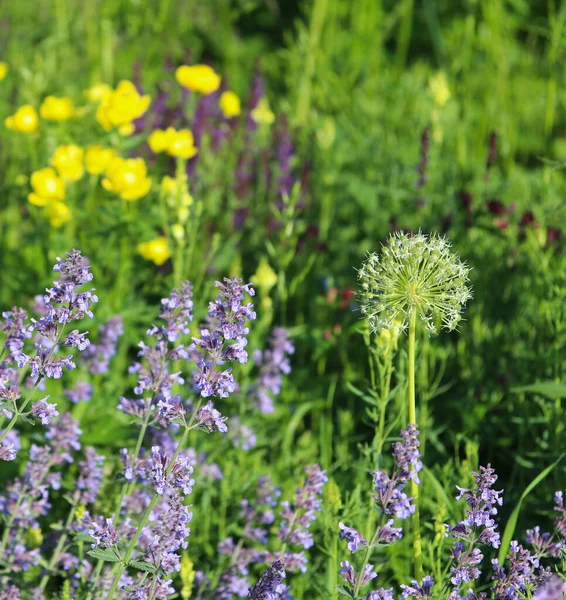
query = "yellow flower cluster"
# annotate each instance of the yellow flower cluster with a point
(156, 250)
(230, 104)
(127, 177)
(119, 108)
(262, 114)
(57, 109)
(177, 143)
(198, 78)
(24, 120)
(3, 70)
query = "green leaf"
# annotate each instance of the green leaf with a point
(142, 565)
(105, 554)
(83, 537)
(550, 389)
(342, 589)
(512, 522)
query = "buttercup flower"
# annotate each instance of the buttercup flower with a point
(156, 250)
(96, 92)
(180, 144)
(439, 89)
(98, 158)
(68, 160)
(128, 178)
(3, 70)
(47, 187)
(119, 107)
(25, 120)
(230, 104)
(198, 78)
(57, 109)
(262, 114)
(414, 273)
(58, 213)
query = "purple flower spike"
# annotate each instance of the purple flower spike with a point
(418, 591)
(269, 585)
(352, 536)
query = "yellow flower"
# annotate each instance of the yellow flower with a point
(25, 119)
(96, 92)
(159, 139)
(68, 160)
(230, 104)
(97, 159)
(198, 78)
(119, 107)
(58, 213)
(57, 109)
(262, 114)
(3, 70)
(156, 250)
(265, 277)
(439, 89)
(187, 575)
(47, 187)
(182, 144)
(33, 537)
(128, 178)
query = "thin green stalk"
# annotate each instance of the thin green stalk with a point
(367, 556)
(20, 410)
(417, 549)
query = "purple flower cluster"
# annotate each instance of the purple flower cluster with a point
(416, 590)
(97, 356)
(273, 364)
(269, 585)
(225, 341)
(512, 583)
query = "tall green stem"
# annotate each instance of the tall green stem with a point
(417, 550)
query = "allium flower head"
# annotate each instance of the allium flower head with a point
(414, 272)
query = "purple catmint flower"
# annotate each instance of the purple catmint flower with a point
(296, 520)
(7, 451)
(209, 419)
(64, 435)
(418, 591)
(90, 476)
(387, 534)
(226, 342)
(543, 543)
(389, 490)
(14, 325)
(380, 594)
(155, 587)
(349, 574)
(45, 364)
(553, 589)
(103, 532)
(10, 593)
(169, 478)
(242, 436)
(82, 392)
(269, 585)
(44, 411)
(284, 153)
(511, 584)
(352, 536)
(232, 583)
(273, 364)
(466, 564)
(560, 520)
(97, 356)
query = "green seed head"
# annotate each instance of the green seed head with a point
(414, 272)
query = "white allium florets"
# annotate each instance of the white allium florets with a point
(414, 272)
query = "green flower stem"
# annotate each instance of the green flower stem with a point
(20, 410)
(367, 556)
(417, 550)
(123, 564)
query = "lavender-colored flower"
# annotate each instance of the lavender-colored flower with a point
(17, 332)
(170, 478)
(209, 419)
(284, 153)
(269, 585)
(544, 543)
(350, 576)
(232, 583)
(97, 356)
(103, 532)
(64, 435)
(242, 436)
(90, 476)
(296, 521)
(273, 363)
(521, 573)
(7, 451)
(560, 520)
(82, 392)
(418, 591)
(380, 594)
(226, 342)
(155, 587)
(44, 411)
(352, 536)
(10, 593)
(466, 564)
(553, 589)
(388, 534)
(482, 503)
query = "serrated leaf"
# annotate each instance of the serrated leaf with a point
(105, 554)
(83, 537)
(342, 589)
(142, 565)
